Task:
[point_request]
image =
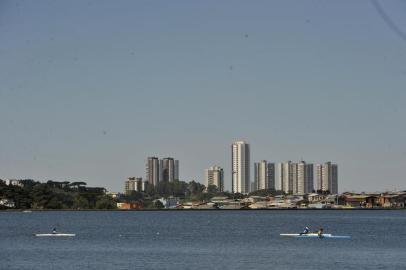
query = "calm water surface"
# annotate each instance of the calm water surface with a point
(206, 239)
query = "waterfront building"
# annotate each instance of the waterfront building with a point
(129, 205)
(14, 182)
(152, 171)
(264, 175)
(327, 177)
(215, 176)
(171, 202)
(240, 167)
(8, 203)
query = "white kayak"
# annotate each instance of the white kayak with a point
(55, 234)
(315, 235)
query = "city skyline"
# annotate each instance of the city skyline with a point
(88, 91)
(289, 177)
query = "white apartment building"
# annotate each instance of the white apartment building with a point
(264, 175)
(133, 184)
(327, 177)
(304, 178)
(215, 176)
(285, 177)
(240, 167)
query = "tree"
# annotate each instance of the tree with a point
(262, 192)
(150, 190)
(80, 202)
(135, 196)
(158, 204)
(106, 202)
(236, 196)
(195, 187)
(41, 195)
(212, 189)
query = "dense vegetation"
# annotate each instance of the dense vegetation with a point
(30, 194)
(55, 195)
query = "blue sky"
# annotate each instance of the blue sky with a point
(89, 89)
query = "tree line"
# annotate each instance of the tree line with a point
(30, 194)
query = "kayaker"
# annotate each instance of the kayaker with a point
(54, 231)
(320, 232)
(305, 231)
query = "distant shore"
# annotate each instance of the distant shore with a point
(198, 210)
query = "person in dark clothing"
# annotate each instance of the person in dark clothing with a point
(320, 232)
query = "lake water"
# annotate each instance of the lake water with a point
(202, 240)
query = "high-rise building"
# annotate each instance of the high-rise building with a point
(215, 176)
(285, 177)
(334, 179)
(264, 175)
(319, 171)
(271, 176)
(133, 184)
(176, 169)
(253, 187)
(169, 169)
(309, 188)
(158, 170)
(279, 180)
(240, 167)
(145, 185)
(327, 177)
(294, 167)
(152, 175)
(304, 178)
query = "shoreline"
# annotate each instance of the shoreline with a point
(197, 210)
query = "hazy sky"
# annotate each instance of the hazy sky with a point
(89, 89)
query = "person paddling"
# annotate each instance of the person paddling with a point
(305, 231)
(54, 231)
(320, 232)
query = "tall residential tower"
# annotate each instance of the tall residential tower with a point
(327, 177)
(169, 169)
(264, 175)
(215, 176)
(304, 178)
(159, 170)
(240, 167)
(285, 177)
(152, 174)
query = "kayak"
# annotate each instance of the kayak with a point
(315, 235)
(55, 234)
